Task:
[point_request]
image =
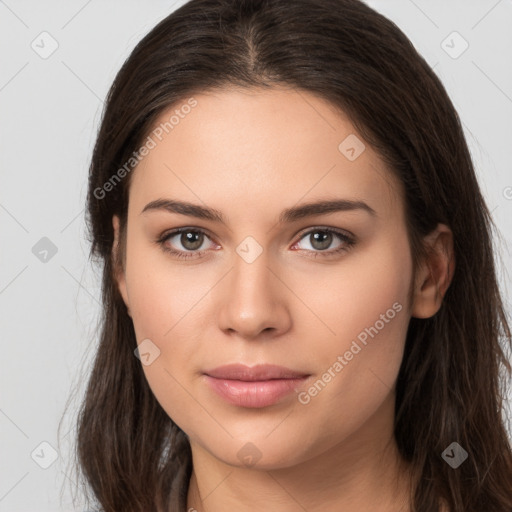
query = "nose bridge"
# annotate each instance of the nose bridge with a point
(250, 278)
(251, 300)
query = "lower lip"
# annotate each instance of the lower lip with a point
(254, 394)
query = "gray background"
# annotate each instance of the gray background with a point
(50, 109)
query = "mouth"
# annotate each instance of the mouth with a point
(254, 387)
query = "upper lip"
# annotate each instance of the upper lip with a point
(254, 373)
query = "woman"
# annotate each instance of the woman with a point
(301, 309)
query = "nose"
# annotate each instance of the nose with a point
(252, 300)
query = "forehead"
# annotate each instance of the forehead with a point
(255, 150)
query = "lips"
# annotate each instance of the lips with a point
(253, 373)
(253, 387)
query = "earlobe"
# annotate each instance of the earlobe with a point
(119, 271)
(435, 275)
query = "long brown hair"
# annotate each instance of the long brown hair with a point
(450, 387)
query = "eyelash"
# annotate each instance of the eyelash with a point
(348, 242)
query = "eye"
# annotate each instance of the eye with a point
(190, 239)
(321, 238)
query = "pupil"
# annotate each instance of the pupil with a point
(324, 238)
(191, 240)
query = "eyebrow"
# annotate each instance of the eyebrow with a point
(289, 215)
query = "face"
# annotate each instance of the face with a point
(259, 279)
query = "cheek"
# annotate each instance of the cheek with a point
(377, 287)
(370, 317)
(162, 294)
(363, 301)
(167, 306)
(351, 297)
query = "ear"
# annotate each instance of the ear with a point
(435, 274)
(119, 271)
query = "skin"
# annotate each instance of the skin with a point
(250, 154)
